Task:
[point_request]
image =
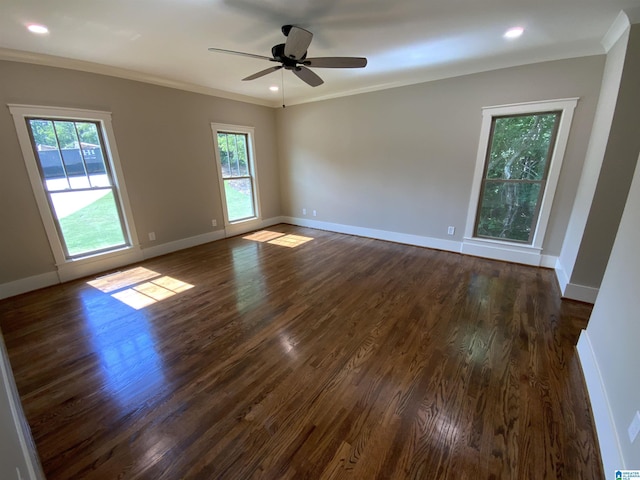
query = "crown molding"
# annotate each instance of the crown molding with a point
(90, 67)
(616, 30)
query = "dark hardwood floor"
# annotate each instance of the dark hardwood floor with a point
(329, 358)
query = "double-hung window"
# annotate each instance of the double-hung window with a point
(517, 170)
(75, 174)
(515, 173)
(235, 157)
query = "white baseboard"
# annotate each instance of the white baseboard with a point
(252, 225)
(574, 291)
(497, 250)
(170, 247)
(610, 450)
(28, 284)
(561, 275)
(405, 238)
(19, 437)
(99, 263)
(580, 292)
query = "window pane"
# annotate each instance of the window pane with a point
(239, 196)
(91, 151)
(241, 151)
(89, 220)
(520, 146)
(233, 155)
(46, 147)
(223, 147)
(507, 210)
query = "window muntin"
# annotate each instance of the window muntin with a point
(237, 172)
(515, 173)
(79, 185)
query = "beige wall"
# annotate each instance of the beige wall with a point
(402, 160)
(165, 144)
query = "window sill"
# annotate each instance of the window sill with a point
(502, 250)
(82, 267)
(242, 226)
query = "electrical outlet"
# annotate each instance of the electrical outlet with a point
(451, 230)
(152, 236)
(634, 427)
(314, 213)
(214, 223)
(304, 211)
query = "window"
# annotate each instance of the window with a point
(236, 169)
(517, 169)
(79, 185)
(75, 174)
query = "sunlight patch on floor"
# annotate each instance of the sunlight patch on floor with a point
(277, 238)
(139, 287)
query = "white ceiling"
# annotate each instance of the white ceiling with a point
(405, 41)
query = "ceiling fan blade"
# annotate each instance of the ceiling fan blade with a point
(297, 42)
(308, 76)
(233, 52)
(262, 73)
(336, 62)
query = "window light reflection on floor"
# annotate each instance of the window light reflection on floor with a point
(139, 287)
(277, 238)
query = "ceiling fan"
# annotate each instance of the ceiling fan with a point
(292, 55)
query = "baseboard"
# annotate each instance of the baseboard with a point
(251, 226)
(525, 255)
(577, 292)
(71, 271)
(18, 437)
(561, 275)
(610, 450)
(99, 263)
(405, 238)
(28, 284)
(183, 243)
(580, 292)
(573, 291)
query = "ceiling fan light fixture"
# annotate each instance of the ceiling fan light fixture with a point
(514, 32)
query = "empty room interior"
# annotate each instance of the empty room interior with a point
(319, 239)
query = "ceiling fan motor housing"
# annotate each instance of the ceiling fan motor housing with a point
(277, 51)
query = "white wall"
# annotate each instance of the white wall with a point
(614, 336)
(595, 154)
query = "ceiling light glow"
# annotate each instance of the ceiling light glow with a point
(39, 29)
(274, 88)
(514, 32)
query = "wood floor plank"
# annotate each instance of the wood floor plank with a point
(305, 354)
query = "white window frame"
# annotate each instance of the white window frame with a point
(249, 224)
(69, 269)
(530, 254)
